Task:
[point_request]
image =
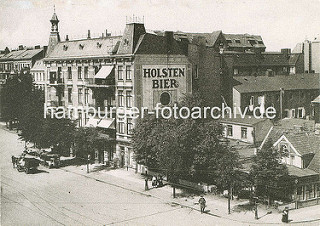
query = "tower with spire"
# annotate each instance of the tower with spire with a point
(54, 34)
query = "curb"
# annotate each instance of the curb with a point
(183, 205)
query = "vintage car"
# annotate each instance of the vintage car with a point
(27, 163)
(50, 160)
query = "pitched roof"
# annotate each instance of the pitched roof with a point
(316, 100)
(38, 66)
(155, 44)
(296, 171)
(24, 54)
(247, 120)
(251, 84)
(244, 40)
(94, 47)
(263, 59)
(294, 58)
(303, 142)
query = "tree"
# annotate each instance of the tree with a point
(186, 148)
(269, 175)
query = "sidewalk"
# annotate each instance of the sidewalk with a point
(216, 205)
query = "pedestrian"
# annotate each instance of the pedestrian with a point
(13, 159)
(285, 215)
(202, 203)
(160, 181)
(146, 187)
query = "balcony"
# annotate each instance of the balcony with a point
(53, 81)
(99, 83)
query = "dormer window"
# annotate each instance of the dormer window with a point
(237, 40)
(65, 47)
(99, 45)
(126, 42)
(81, 46)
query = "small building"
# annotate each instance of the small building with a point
(38, 72)
(297, 138)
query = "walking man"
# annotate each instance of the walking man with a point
(202, 203)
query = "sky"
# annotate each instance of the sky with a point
(281, 23)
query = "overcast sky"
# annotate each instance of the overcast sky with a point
(281, 24)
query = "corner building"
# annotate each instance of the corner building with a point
(138, 69)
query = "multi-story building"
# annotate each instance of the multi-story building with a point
(311, 52)
(137, 69)
(290, 95)
(38, 72)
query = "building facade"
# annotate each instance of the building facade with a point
(137, 69)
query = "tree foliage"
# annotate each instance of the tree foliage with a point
(270, 177)
(186, 148)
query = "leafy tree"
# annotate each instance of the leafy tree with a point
(186, 148)
(270, 177)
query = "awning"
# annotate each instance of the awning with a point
(104, 72)
(107, 123)
(93, 122)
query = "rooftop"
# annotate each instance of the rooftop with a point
(93, 47)
(252, 84)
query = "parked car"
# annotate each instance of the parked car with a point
(27, 163)
(50, 160)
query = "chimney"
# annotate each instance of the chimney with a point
(107, 34)
(102, 35)
(20, 47)
(169, 40)
(286, 52)
(89, 34)
(67, 37)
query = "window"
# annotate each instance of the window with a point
(260, 42)
(318, 190)
(121, 127)
(129, 126)
(244, 133)
(128, 72)
(86, 96)
(301, 112)
(235, 71)
(293, 113)
(129, 99)
(196, 71)
(79, 73)
(70, 95)
(59, 72)
(284, 149)
(251, 100)
(120, 73)
(237, 40)
(229, 131)
(310, 191)
(80, 95)
(229, 41)
(165, 98)
(120, 98)
(86, 72)
(69, 73)
(291, 159)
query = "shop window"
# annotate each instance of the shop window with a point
(229, 131)
(120, 72)
(244, 133)
(299, 190)
(165, 98)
